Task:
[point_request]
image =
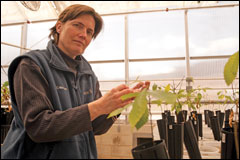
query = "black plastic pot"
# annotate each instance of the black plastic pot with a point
(228, 148)
(200, 123)
(167, 112)
(227, 125)
(227, 113)
(171, 119)
(210, 114)
(215, 126)
(205, 116)
(190, 141)
(181, 116)
(175, 140)
(163, 129)
(6, 117)
(195, 112)
(195, 126)
(226, 122)
(220, 116)
(4, 131)
(151, 150)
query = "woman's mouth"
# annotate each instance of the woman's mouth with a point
(79, 42)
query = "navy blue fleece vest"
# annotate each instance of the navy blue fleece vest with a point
(18, 144)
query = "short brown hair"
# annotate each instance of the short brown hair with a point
(74, 11)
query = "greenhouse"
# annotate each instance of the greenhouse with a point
(120, 79)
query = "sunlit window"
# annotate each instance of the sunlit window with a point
(156, 35)
(36, 40)
(109, 45)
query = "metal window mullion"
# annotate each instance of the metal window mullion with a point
(126, 60)
(187, 45)
(23, 38)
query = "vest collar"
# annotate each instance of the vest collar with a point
(57, 60)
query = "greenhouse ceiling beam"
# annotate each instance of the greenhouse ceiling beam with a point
(12, 45)
(135, 12)
(161, 59)
(167, 79)
(139, 60)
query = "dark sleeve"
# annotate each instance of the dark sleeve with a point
(101, 124)
(41, 122)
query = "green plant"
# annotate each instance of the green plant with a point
(230, 73)
(190, 97)
(139, 113)
(229, 97)
(231, 68)
(5, 94)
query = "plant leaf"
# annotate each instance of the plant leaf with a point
(231, 68)
(167, 88)
(143, 119)
(139, 107)
(218, 93)
(221, 97)
(154, 87)
(5, 84)
(168, 97)
(118, 111)
(130, 95)
(158, 102)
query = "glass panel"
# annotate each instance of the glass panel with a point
(155, 35)
(214, 83)
(38, 35)
(8, 32)
(213, 31)
(211, 68)
(4, 77)
(156, 70)
(109, 44)
(106, 86)
(109, 71)
(8, 53)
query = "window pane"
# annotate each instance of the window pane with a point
(207, 68)
(157, 70)
(4, 77)
(109, 71)
(213, 31)
(156, 35)
(109, 44)
(8, 53)
(7, 33)
(106, 86)
(36, 40)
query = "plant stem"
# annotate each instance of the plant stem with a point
(235, 128)
(149, 104)
(235, 125)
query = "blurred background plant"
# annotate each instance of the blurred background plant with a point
(5, 95)
(230, 74)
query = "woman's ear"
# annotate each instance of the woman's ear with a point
(58, 26)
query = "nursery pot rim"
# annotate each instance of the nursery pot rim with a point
(138, 147)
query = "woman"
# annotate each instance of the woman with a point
(57, 104)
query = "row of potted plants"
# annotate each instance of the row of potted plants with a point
(139, 114)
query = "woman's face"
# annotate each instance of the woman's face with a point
(75, 35)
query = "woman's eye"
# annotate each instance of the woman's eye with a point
(76, 25)
(90, 33)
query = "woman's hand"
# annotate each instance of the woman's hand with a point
(112, 100)
(141, 85)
